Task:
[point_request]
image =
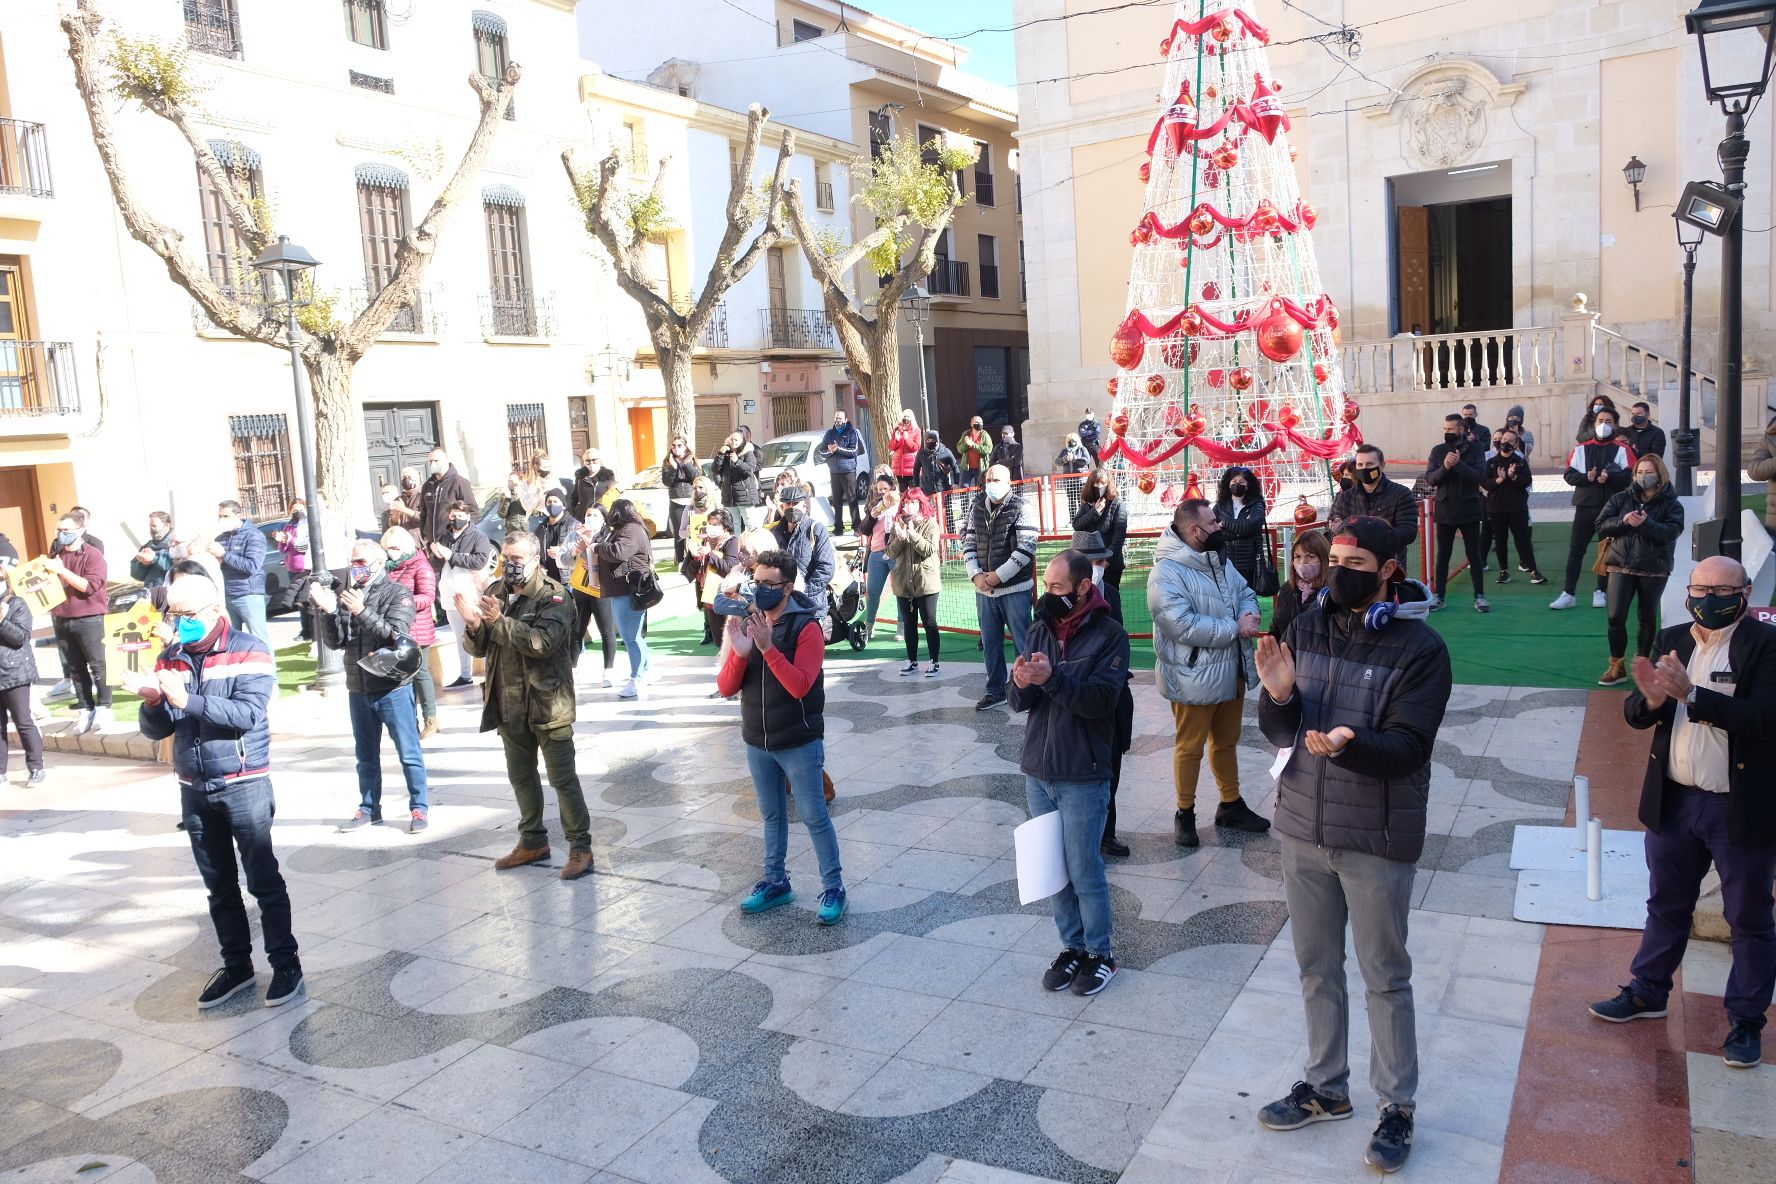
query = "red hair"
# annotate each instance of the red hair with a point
(917, 497)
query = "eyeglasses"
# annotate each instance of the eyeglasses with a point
(174, 616)
(1716, 589)
(772, 584)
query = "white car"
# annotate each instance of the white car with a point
(800, 449)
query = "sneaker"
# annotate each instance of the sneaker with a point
(418, 823)
(629, 690)
(101, 717)
(932, 671)
(1482, 605)
(766, 895)
(610, 680)
(1627, 1006)
(61, 690)
(1536, 577)
(1062, 971)
(1520, 567)
(1236, 815)
(1504, 577)
(1616, 674)
(84, 722)
(1094, 974)
(461, 684)
(286, 984)
(430, 729)
(832, 907)
(909, 669)
(989, 701)
(1392, 1141)
(37, 777)
(1744, 1048)
(1599, 600)
(224, 985)
(1184, 829)
(358, 821)
(1303, 1105)
(1564, 600)
(1436, 604)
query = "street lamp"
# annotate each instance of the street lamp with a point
(1686, 450)
(1635, 172)
(292, 263)
(917, 302)
(1733, 37)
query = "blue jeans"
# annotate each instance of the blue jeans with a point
(1082, 908)
(802, 767)
(995, 613)
(219, 820)
(877, 574)
(370, 714)
(629, 623)
(247, 613)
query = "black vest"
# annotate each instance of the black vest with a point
(770, 717)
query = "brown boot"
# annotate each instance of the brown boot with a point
(1616, 674)
(519, 857)
(430, 729)
(578, 864)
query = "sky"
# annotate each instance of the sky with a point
(990, 54)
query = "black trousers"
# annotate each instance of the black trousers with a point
(676, 516)
(1470, 536)
(844, 493)
(1579, 547)
(223, 818)
(1646, 590)
(1115, 783)
(84, 638)
(1517, 527)
(1112, 589)
(914, 609)
(905, 482)
(588, 609)
(17, 704)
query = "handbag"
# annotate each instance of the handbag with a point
(1264, 576)
(646, 593)
(1601, 565)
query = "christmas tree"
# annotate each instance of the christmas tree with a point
(1229, 352)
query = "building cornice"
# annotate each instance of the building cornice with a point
(732, 123)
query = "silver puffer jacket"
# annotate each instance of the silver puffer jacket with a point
(1196, 599)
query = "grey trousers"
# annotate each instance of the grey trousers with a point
(1326, 888)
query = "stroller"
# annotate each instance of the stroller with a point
(844, 601)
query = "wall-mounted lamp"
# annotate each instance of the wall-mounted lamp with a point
(1635, 171)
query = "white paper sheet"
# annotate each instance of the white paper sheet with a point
(1277, 766)
(1041, 862)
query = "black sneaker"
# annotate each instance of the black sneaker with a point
(224, 985)
(1536, 577)
(1303, 1105)
(1504, 577)
(1482, 605)
(1062, 971)
(286, 984)
(1236, 815)
(1094, 974)
(909, 669)
(932, 671)
(1626, 1006)
(1184, 829)
(1392, 1141)
(461, 684)
(1744, 1048)
(989, 701)
(1436, 604)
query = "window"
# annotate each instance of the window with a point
(382, 225)
(635, 147)
(579, 426)
(1023, 270)
(526, 433)
(262, 464)
(659, 267)
(684, 92)
(803, 31)
(366, 23)
(223, 250)
(823, 189)
(983, 175)
(491, 56)
(511, 306)
(213, 27)
(789, 413)
(881, 131)
(930, 139)
(989, 267)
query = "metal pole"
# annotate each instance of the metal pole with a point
(924, 396)
(1683, 440)
(1733, 151)
(330, 667)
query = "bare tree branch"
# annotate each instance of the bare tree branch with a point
(722, 278)
(620, 240)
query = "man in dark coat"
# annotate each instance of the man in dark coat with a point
(736, 469)
(808, 543)
(1642, 434)
(1091, 435)
(1373, 495)
(838, 450)
(444, 486)
(1009, 452)
(935, 469)
(1706, 799)
(1456, 468)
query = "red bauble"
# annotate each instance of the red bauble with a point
(1322, 372)
(1222, 31)
(1195, 425)
(1304, 513)
(1309, 216)
(1264, 217)
(1171, 497)
(1128, 343)
(1216, 378)
(1156, 385)
(1226, 158)
(1240, 379)
(1178, 354)
(1111, 385)
(1289, 417)
(1280, 337)
(1293, 155)
(1146, 482)
(1210, 92)
(1192, 323)
(1193, 487)
(1201, 222)
(1351, 411)
(1119, 423)
(1174, 415)
(1211, 291)
(1146, 172)
(1212, 178)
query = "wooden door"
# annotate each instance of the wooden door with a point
(1414, 256)
(641, 437)
(579, 425)
(397, 438)
(20, 519)
(19, 384)
(779, 290)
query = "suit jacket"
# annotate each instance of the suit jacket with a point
(1747, 715)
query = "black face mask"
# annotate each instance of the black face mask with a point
(1640, 421)
(1237, 489)
(1348, 588)
(1055, 609)
(1715, 612)
(1344, 483)
(1369, 476)
(1451, 437)
(1506, 449)
(1214, 542)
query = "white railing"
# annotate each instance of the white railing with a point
(1619, 363)
(1451, 361)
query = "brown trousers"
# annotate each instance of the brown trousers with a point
(1217, 725)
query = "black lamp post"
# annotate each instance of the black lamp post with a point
(290, 262)
(1635, 172)
(1685, 449)
(917, 302)
(1734, 38)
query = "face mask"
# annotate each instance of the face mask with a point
(155, 534)
(190, 630)
(974, 427)
(1369, 476)
(67, 538)
(297, 515)
(1605, 430)
(768, 598)
(1344, 483)
(543, 472)
(436, 468)
(407, 483)
(515, 571)
(838, 425)
(1715, 612)
(1649, 482)
(554, 509)
(1237, 489)
(1214, 542)
(1349, 588)
(1596, 407)
(1506, 449)
(1640, 421)
(1451, 437)
(360, 573)
(996, 490)
(1053, 608)
(459, 522)
(1009, 438)
(1466, 418)
(1307, 573)
(397, 558)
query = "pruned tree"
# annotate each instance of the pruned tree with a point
(624, 220)
(912, 200)
(108, 66)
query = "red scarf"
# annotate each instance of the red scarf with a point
(1067, 626)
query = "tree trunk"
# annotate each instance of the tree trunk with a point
(335, 425)
(884, 392)
(681, 402)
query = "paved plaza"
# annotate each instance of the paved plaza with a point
(469, 1026)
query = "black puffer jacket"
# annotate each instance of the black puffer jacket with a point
(1071, 735)
(1506, 483)
(18, 665)
(624, 556)
(738, 475)
(1647, 549)
(1390, 686)
(1391, 502)
(1458, 486)
(1112, 525)
(388, 614)
(1243, 526)
(679, 476)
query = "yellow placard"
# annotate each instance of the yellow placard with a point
(584, 577)
(712, 583)
(130, 643)
(39, 587)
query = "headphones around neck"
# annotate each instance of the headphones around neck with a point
(1375, 618)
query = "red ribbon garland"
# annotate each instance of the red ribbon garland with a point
(1223, 455)
(1321, 314)
(1199, 27)
(1303, 215)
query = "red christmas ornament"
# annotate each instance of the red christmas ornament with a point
(1171, 496)
(1210, 92)
(1178, 354)
(1202, 222)
(1211, 291)
(1174, 415)
(1146, 172)
(1217, 378)
(1222, 31)
(1212, 178)
(1304, 513)
(1156, 385)
(1146, 482)
(1280, 337)
(1192, 487)
(1119, 423)
(1309, 216)
(1179, 119)
(1128, 344)
(1289, 417)
(1264, 217)
(1112, 388)
(1240, 379)
(1322, 372)
(1293, 155)
(1226, 158)
(1351, 411)
(1192, 323)
(1195, 425)
(1268, 116)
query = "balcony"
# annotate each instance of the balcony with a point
(516, 313)
(24, 160)
(213, 27)
(715, 333)
(948, 278)
(989, 277)
(424, 318)
(983, 189)
(823, 196)
(37, 384)
(797, 328)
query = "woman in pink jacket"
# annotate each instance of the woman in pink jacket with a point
(905, 442)
(413, 571)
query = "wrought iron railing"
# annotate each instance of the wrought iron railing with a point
(949, 277)
(715, 333)
(24, 159)
(422, 317)
(797, 328)
(516, 312)
(213, 27)
(983, 188)
(37, 378)
(989, 280)
(823, 196)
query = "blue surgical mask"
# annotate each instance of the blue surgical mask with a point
(191, 630)
(554, 509)
(67, 538)
(768, 598)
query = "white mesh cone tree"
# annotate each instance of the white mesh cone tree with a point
(1228, 353)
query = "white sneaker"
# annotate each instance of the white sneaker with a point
(84, 722)
(1599, 600)
(610, 680)
(1564, 600)
(61, 690)
(630, 689)
(102, 717)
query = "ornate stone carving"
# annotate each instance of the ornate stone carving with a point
(1444, 124)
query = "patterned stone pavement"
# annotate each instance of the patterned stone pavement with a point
(464, 1025)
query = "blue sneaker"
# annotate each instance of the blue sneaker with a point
(766, 895)
(832, 907)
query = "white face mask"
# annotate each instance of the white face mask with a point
(996, 490)
(1604, 430)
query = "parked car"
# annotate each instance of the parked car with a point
(650, 496)
(799, 449)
